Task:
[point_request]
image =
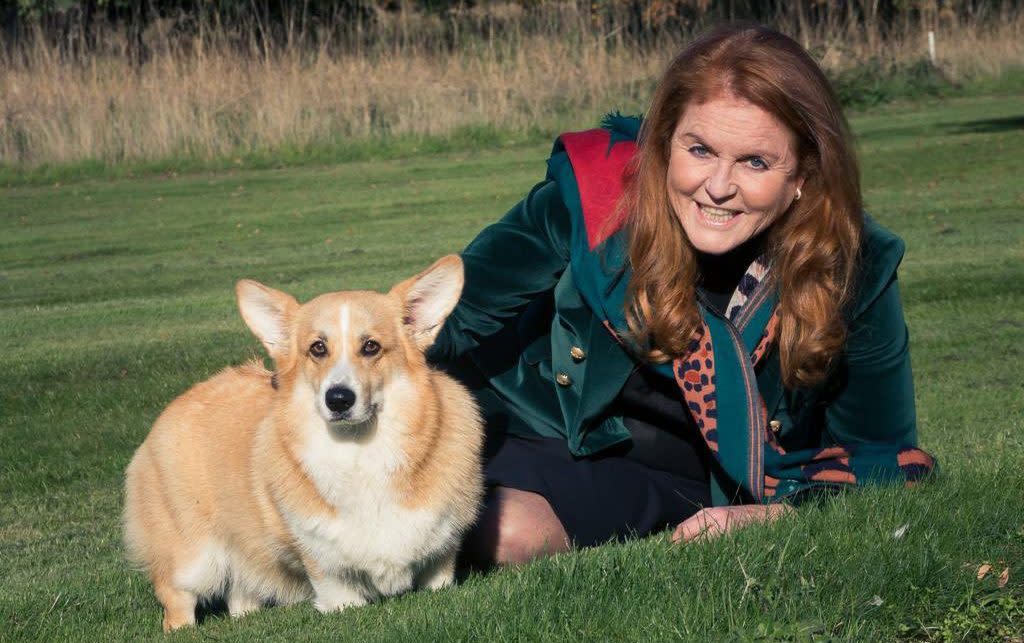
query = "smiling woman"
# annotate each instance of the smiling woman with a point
(689, 323)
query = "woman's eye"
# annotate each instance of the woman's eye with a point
(370, 348)
(318, 348)
(757, 163)
(698, 150)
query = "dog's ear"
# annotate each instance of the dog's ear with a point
(268, 313)
(429, 297)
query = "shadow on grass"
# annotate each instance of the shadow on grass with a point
(988, 125)
(983, 126)
(216, 607)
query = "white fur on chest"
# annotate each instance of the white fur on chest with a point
(372, 535)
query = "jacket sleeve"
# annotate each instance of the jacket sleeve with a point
(872, 416)
(876, 400)
(506, 266)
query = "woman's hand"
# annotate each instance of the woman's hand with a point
(715, 521)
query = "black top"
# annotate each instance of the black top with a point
(664, 435)
(721, 274)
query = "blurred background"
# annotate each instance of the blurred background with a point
(120, 80)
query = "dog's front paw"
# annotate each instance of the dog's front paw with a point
(328, 606)
(439, 573)
(395, 582)
(440, 581)
(334, 595)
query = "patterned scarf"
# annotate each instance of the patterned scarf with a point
(696, 376)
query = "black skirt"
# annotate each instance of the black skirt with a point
(608, 496)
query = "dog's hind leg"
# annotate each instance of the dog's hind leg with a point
(179, 606)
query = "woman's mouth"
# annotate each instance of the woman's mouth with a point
(716, 217)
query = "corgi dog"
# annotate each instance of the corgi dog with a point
(349, 473)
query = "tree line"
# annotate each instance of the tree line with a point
(343, 20)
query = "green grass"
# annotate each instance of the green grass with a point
(339, 150)
(115, 295)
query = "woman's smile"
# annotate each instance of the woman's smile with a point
(720, 218)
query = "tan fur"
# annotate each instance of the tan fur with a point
(245, 490)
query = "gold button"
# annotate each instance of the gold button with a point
(577, 354)
(775, 425)
(563, 379)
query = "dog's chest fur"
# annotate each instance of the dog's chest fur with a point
(372, 534)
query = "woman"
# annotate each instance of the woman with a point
(689, 320)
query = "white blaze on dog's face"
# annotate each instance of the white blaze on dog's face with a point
(344, 349)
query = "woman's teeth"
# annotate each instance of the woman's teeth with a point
(717, 215)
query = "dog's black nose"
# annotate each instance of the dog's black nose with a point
(340, 398)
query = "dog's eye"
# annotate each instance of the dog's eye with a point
(318, 348)
(370, 348)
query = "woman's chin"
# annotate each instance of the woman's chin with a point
(712, 246)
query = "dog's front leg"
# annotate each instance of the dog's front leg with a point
(439, 573)
(392, 581)
(334, 592)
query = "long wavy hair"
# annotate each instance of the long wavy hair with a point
(813, 246)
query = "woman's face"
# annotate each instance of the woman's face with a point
(732, 171)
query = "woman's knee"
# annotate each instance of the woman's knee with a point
(516, 527)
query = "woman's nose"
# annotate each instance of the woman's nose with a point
(719, 185)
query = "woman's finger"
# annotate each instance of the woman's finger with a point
(708, 523)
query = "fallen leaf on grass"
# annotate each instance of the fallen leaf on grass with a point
(1004, 578)
(984, 570)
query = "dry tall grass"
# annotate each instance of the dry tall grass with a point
(206, 97)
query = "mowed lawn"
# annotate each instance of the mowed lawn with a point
(115, 296)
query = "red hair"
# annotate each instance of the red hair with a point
(813, 246)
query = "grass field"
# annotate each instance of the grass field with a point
(115, 295)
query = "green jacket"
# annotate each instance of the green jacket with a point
(528, 339)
